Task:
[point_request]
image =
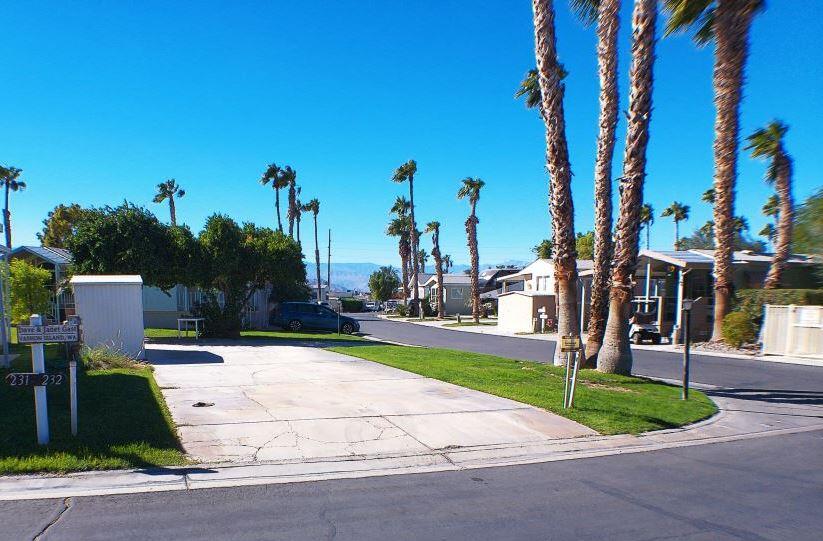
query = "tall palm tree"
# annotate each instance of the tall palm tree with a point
(402, 174)
(615, 355)
(400, 228)
(470, 188)
(169, 190)
(434, 229)
(768, 143)
(298, 213)
(313, 206)
(10, 180)
(646, 221)
(679, 213)
(606, 13)
(290, 178)
(550, 78)
(423, 257)
(274, 175)
(727, 23)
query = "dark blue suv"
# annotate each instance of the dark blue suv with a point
(297, 316)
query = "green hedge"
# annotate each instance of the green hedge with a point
(751, 301)
(350, 304)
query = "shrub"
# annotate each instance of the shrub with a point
(428, 309)
(402, 310)
(105, 357)
(350, 304)
(751, 301)
(738, 329)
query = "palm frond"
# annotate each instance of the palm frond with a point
(586, 10)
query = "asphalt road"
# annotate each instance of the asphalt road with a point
(768, 488)
(738, 374)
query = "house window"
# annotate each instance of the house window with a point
(542, 283)
(457, 293)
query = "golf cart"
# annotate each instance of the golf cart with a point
(645, 321)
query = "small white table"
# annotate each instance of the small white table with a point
(185, 321)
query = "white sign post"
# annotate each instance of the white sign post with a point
(38, 366)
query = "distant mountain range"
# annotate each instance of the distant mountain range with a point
(356, 275)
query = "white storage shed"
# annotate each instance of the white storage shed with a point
(111, 311)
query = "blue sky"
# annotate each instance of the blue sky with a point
(103, 100)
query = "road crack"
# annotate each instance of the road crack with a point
(66, 506)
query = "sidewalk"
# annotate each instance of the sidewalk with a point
(743, 415)
(667, 348)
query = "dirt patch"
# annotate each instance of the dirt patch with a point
(722, 347)
(603, 387)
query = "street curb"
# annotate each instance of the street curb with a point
(29, 487)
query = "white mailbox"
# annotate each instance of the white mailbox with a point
(111, 309)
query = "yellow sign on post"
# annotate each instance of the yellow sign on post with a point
(569, 343)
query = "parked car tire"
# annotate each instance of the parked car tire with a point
(295, 325)
(347, 328)
(637, 338)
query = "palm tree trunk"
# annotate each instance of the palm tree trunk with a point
(782, 247)
(608, 23)
(317, 259)
(471, 233)
(277, 204)
(552, 90)
(676, 234)
(415, 248)
(292, 213)
(731, 29)
(404, 262)
(438, 269)
(297, 219)
(172, 211)
(615, 355)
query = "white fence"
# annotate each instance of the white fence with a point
(795, 331)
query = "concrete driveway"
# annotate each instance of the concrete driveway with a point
(261, 402)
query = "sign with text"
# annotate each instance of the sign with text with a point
(569, 343)
(39, 334)
(32, 379)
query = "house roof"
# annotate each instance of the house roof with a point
(422, 278)
(516, 286)
(546, 265)
(54, 256)
(705, 258)
(451, 279)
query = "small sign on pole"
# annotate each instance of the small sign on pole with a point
(40, 334)
(570, 345)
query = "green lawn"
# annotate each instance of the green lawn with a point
(123, 421)
(607, 403)
(305, 336)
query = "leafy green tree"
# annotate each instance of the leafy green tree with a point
(585, 245)
(128, 240)
(808, 229)
(544, 249)
(30, 292)
(383, 283)
(60, 225)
